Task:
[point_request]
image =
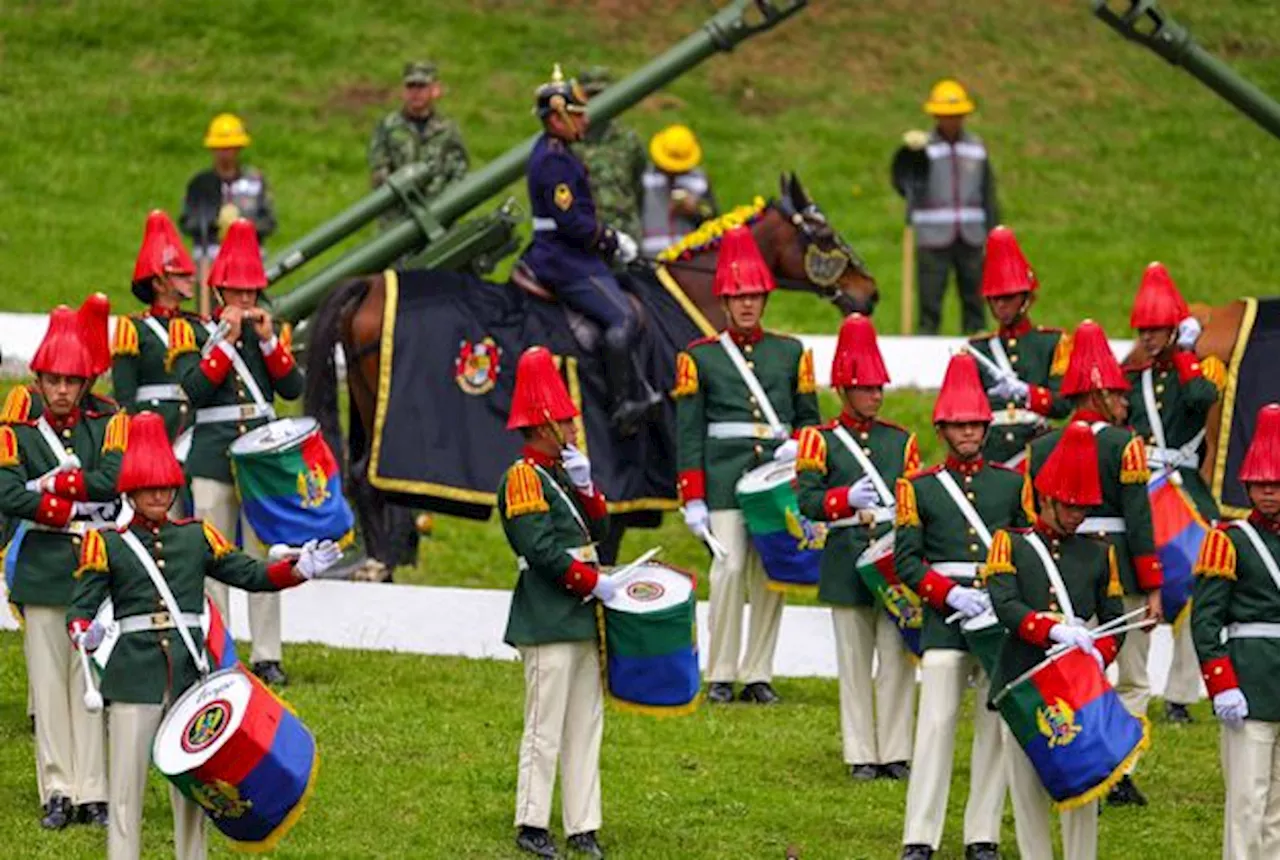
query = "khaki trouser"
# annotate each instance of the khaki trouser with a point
(944, 673)
(70, 744)
(877, 734)
(563, 719)
(217, 502)
(1031, 805)
(1183, 686)
(734, 579)
(132, 729)
(1251, 770)
(1132, 684)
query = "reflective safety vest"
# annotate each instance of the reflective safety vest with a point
(953, 206)
(661, 228)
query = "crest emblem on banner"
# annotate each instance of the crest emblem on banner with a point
(476, 368)
(313, 486)
(1057, 722)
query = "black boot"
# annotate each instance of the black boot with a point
(895, 770)
(1125, 793)
(863, 772)
(982, 851)
(585, 843)
(92, 813)
(536, 841)
(626, 413)
(759, 692)
(916, 852)
(271, 672)
(720, 693)
(1176, 713)
(57, 813)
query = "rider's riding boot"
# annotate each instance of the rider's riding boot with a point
(626, 413)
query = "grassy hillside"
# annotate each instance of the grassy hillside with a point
(1106, 156)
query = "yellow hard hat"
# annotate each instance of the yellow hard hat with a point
(226, 132)
(675, 149)
(948, 98)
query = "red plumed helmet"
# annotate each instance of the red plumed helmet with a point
(540, 396)
(1159, 304)
(148, 457)
(740, 270)
(962, 398)
(162, 252)
(858, 360)
(1262, 460)
(1070, 475)
(1005, 270)
(239, 261)
(93, 317)
(1093, 366)
(63, 350)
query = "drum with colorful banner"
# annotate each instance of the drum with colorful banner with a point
(235, 748)
(1179, 531)
(789, 544)
(290, 485)
(984, 634)
(877, 570)
(649, 641)
(1073, 727)
(217, 637)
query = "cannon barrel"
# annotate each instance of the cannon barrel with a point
(1144, 22)
(427, 222)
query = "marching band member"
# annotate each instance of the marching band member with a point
(846, 470)
(1234, 614)
(1046, 584)
(1099, 394)
(739, 399)
(57, 480)
(1021, 364)
(150, 667)
(553, 515)
(945, 519)
(1177, 391)
(231, 382)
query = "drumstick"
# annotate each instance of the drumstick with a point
(718, 551)
(92, 698)
(1144, 624)
(1105, 629)
(993, 368)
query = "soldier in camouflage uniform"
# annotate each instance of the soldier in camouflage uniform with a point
(417, 132)
(846, 470)
(615, 160)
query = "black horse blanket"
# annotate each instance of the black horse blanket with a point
(1252, 381)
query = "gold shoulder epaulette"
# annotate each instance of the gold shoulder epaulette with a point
(811, 453)
(1000, 555)
(1133, 463)
(9, 455)
(124, 341)
(17, 406)
(686, 376)
(905, 497)
(524, 492)
(1217, 556)
(218, 544)
(805, 381)
(182, 339)
(93, 554)
(117, 438)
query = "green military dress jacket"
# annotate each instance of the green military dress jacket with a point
(49, 541)
(1122, 467)
(552, 528)
(931, 530)
(153, 666)
(141, 377)
(213, 383)
(825, 469)
(1184, 389)
(721, 431)
(1027, 605)
(1039, 356)
(1233, 589)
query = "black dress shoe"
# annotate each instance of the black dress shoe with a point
(895, 770)
(585, 843)
(760, 692)
(720, 693)
(57, 813)
(1125, 793)
(982, 851)
(536, 841)
(271, 673)
(863, 772)
(92, 813)
(1176, 713)
(916, 852)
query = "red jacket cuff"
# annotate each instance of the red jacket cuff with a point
(78, 626)
(1039, 399)
(283, 575)
(279, 362)
(934, 589)
(1035, 627)
(1187, 365)
(70, 485)
(216, 367)
(1150, 572)
(1108, 647)
(1219, 675)
(53, 511)
(580, 578)
(835, 504)
(693, 485)
(594, 503)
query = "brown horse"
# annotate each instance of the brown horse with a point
(798, 243)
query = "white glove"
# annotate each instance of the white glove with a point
(628, 250)
(862, 494)
(1076, 637)
(316, 558)
(92, 636)
(1188, 332)
(1010, 388)
(1230, 706)
(786, 452)
(696, 517)
(605, 588)
(970, 602)
(915, 139)
(578, 467)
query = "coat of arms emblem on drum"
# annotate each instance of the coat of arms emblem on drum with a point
(1057, 722)
(206, 726)
(476, 368)
(313, 486)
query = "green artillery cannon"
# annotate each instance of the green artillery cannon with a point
(1145, 23)
(429, 229)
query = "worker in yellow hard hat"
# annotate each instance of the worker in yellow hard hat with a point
(218, 196)
(677, 191)
(946, 178)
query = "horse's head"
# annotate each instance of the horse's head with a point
(814, 256)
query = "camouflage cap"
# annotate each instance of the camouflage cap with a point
(420, 72)
(595, 78)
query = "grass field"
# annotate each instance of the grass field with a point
(418, 761)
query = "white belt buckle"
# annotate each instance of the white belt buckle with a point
(247, 411)
(160, 619)
(763, 431)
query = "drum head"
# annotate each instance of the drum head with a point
(201, 722)
(276, 436)
(651, 588)
(761, 479)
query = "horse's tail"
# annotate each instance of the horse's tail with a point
(327, 330)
